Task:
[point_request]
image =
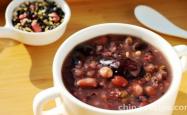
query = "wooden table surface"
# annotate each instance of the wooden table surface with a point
(26, 70)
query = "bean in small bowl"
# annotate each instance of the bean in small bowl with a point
(37, 16)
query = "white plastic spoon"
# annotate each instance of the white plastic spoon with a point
(156, 21)
(31, 38)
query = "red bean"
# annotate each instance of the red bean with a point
(143, 104)
(90, 73)
(119, 81)
(87, 82)
(22, 16)
(102, 40)
(150, 91)
(93, 64)
(149, 68)
(166, 84)
(137, 89)
(148, 57)
(103, 96)
(161, 87)
(159, 76)
(77, 72)
(36, 27)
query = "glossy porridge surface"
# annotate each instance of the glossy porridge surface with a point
(111, 71)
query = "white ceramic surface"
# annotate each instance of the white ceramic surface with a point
(73, 106)
(31, 38)
(156, 21)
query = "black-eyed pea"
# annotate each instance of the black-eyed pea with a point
(138, 53)
(106, 72)
(127, 54)
(129, 41)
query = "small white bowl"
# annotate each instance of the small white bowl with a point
(33, 38)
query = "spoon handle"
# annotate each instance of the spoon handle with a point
(156, 21)
(6, 32)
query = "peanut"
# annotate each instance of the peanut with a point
(87, 82)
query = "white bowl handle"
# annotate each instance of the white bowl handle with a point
(182, 53)
(44, 96)
(7, 32)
